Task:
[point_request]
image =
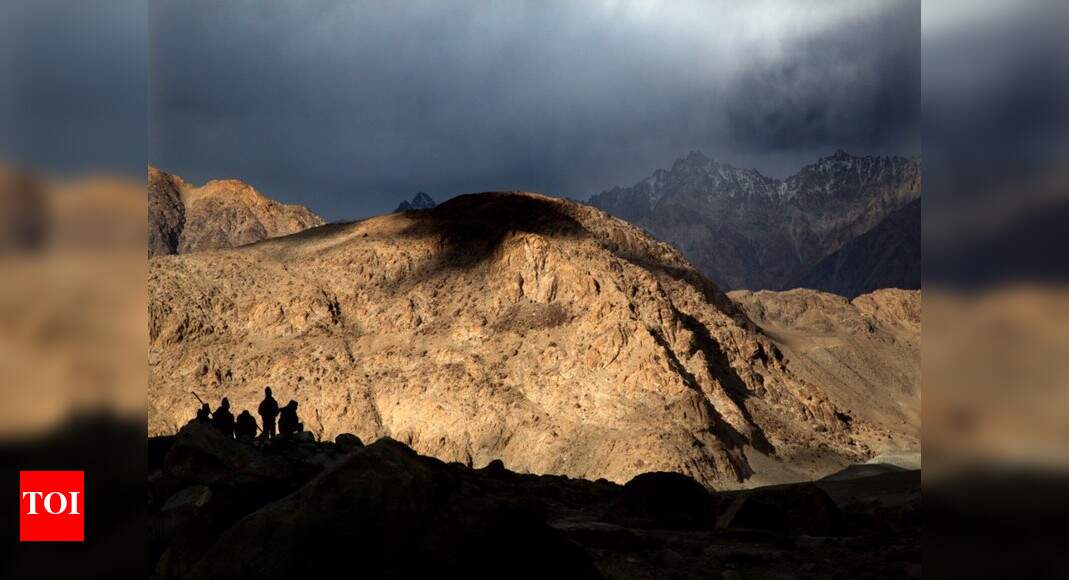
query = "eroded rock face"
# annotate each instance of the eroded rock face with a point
(220, 214)
(166, 212)
(504, 326)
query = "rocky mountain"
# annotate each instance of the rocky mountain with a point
(746, 230)
(219, 214)
(420, 201)
(508, 326)
(887, 256)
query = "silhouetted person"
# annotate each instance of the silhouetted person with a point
(223, 419)
(245, 426)
(268, 412)
(288, 423)
(204, 414)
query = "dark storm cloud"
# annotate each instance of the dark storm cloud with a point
(350, 106)
(839, 91)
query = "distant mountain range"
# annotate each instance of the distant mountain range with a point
(420, 201)
(887, 256)
(746, 230)
(222, 213)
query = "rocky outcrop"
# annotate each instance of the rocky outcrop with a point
(201, 455)
(504, 326)
(887, 256)
(166, 212)
(383, 511)
(746, 230)
(220, 214)
(799, 509)
(392, 514)
(662, 501)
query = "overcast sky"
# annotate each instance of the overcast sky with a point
(349, 107)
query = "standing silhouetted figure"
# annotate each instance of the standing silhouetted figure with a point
(204, 414)
(245, 426)
(288, 423)
(223, 419)
(268, 412)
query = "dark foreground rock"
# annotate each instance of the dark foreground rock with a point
(348, 442)
(796, 509)
(391, 513)
(225, 509)
(662, 500)
(200, 454)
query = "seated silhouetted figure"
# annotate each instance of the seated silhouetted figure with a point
(204, 414)
(268, 413)
(245, 426)
(288, 423)
(223, 419)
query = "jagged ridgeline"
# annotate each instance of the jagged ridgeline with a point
(420, 201)
(749, 231)
(507, 326)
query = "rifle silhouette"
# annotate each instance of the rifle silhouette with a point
(201, 401)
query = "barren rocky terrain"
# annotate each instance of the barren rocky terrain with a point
(509, 326)
(219, 214)
(864, 353)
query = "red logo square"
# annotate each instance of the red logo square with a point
(52, 506)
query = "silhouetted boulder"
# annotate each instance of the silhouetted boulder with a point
(347, 442)
(795, 509)
(161, 487)
(191, 498)
(385, 512)
(184, 548)
(662, 500)
(326, 459)
(201, 454)
(186, 526)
